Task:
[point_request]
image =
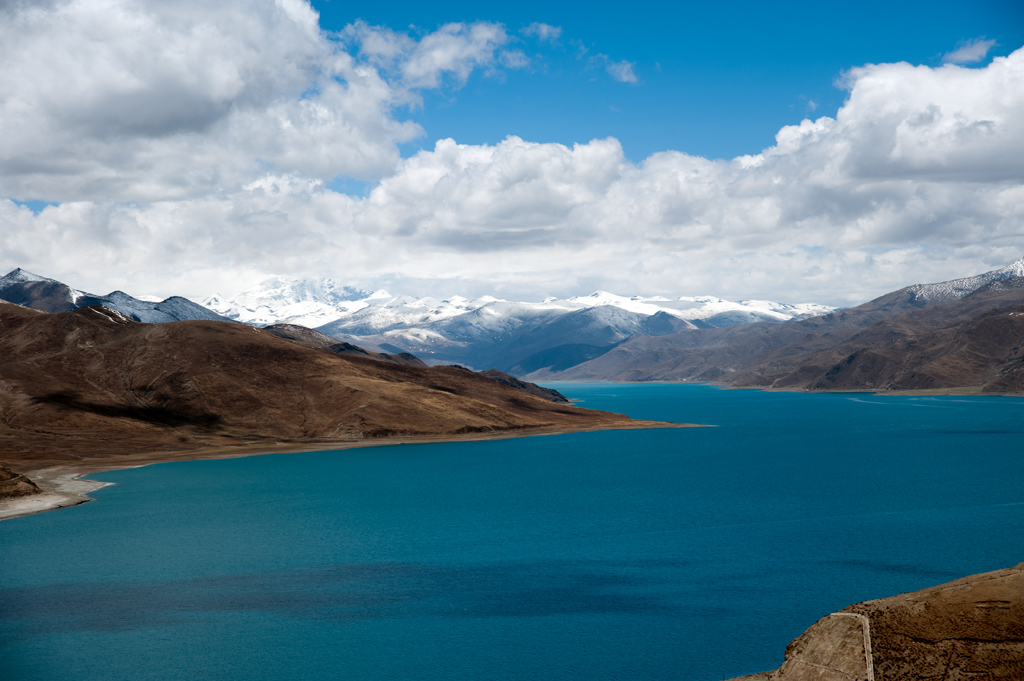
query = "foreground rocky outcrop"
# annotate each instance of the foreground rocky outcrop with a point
(971, 628)
(14, 485)
(93, 386)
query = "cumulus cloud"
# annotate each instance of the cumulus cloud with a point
(146, 100)
(916, 178)
(969, 51)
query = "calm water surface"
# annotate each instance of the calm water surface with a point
(659, 554)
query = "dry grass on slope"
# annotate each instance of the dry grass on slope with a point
(93, 385)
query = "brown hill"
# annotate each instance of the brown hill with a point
(93, 386)
(971, 628)
(893, 343)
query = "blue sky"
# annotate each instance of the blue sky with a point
(713, 79)
(811, 152)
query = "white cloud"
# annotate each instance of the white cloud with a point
(543, 32)
(115, 100)
(515, 59)
(453, 49)
(621, 71)
(918, 176)
(969, 51)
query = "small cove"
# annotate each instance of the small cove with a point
(638, 554)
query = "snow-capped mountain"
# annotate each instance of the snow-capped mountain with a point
(514, 336)
(50, 295)
(964, 333)
(346, 309)
(956, 289)
(31, 290)
(488, 332)
(282, 300)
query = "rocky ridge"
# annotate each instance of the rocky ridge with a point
(49, 295)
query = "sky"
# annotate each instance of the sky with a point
(805, 153)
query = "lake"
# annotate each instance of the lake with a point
(693, 553)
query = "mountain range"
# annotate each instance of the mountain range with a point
(966, 334)
(484, 333)
(50, 295)
(487, 332)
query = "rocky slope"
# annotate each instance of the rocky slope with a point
(15, 485)
(971, 628)
(967, 334)
(92, 385)
(538, 391)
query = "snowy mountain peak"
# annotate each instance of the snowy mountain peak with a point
(700, 299)
(425, 325)
(308, 302)
(18, 275)
(50, 295)
(290, 290)
(598, 298)
(955, 289)
(1014, 269)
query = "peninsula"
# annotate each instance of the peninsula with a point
(92, 389)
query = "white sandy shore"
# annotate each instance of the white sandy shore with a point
(63, 487)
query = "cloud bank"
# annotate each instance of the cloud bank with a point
(190, 149)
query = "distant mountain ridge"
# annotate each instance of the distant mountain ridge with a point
(49, 295)
(965, 333)
(489, 332)
(961, 333)
(282, 300)
(317, 302)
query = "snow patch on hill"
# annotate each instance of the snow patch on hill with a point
(955, 289)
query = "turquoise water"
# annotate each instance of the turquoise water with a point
(658, 554)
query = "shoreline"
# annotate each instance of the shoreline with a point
(961, 391)
(65, 484)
